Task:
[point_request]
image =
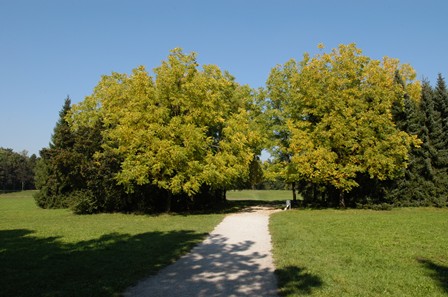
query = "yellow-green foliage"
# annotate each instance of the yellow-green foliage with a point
(183, 128)
(336, 115)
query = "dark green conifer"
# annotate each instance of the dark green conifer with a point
(412, 187)
(62, 137)
(424, 181)
(439, 141)
(56, 169)
(441, 101)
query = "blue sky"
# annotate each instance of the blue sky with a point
(51, 49)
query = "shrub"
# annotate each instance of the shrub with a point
(83, 202)
(44, 199)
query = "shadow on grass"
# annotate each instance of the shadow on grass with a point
(295, 280)
(35, 266)
(439, 273)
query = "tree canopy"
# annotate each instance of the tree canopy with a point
(340, 127)
(183, 130)
(16, 170)
(335, 111)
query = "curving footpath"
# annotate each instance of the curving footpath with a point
(234, 260)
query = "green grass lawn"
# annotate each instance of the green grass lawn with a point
(56, 253)
(259, 195)
(241, 200)
(403, 252)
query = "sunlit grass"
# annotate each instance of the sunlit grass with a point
(56, 253)
(260, 195)
(361, 253)
(402, 252)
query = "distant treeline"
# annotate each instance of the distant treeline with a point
(342, 129)
(16, 170)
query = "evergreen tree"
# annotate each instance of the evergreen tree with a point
(436, 113)
(55, 172)
(413, 187)
(424, 181)
(62, 137)
(68, 175)
(441, 101)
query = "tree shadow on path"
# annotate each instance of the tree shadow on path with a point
(213, 268)
(439, 273)
(46, 266)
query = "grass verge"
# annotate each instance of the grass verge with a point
(402, 252)
(56, 253)
(241, 200)
(259, 195)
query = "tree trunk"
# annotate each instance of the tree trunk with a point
(341, 199)
(168, 202)
(294, 196)
(224, 195)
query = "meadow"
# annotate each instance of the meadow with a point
(402, 252)
(327, 252)
(260, 196)
(56, 253)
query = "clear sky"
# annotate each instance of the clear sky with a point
(53, 48)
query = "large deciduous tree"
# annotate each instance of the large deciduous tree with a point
(335, 122)
(280, 93)
(185, 131)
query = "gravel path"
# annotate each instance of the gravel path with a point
(234, 260)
